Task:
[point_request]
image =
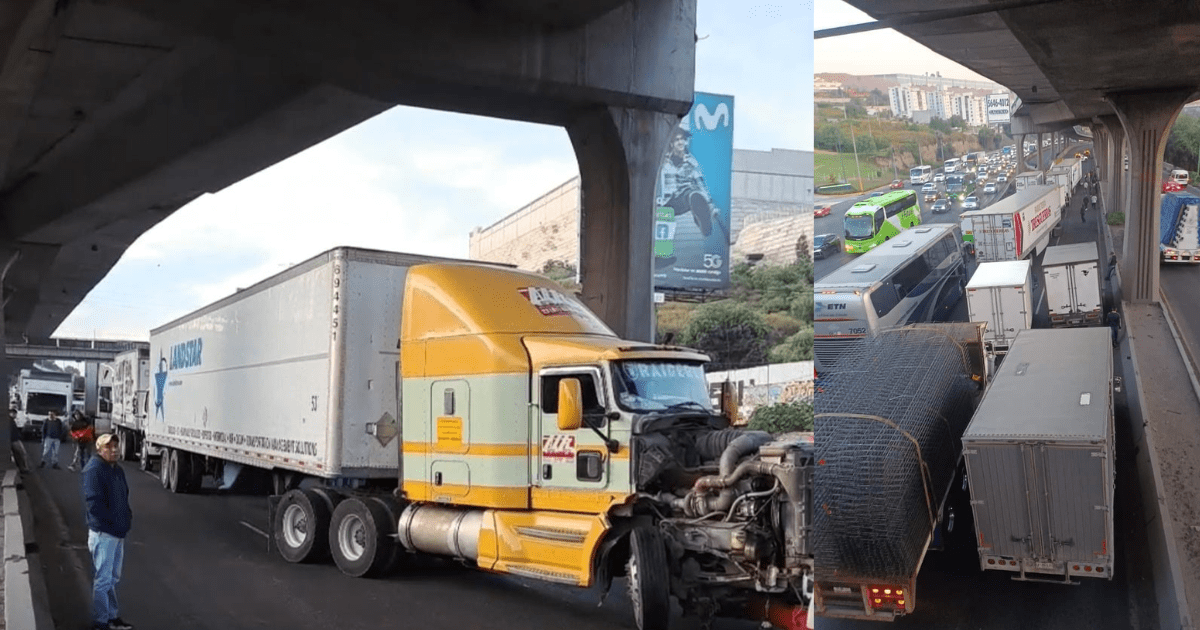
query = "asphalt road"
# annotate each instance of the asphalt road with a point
(199, 562)
(954, 593)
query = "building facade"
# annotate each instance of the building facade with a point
(766, 186)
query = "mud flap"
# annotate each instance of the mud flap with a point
(272, 505)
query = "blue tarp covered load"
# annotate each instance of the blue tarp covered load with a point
(1168, 219)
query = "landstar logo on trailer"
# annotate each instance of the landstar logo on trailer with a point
(183, 355)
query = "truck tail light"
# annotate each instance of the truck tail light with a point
(887, 597)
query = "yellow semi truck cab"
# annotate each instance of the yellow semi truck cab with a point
(537, 443)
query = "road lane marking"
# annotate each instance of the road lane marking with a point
(255, 529)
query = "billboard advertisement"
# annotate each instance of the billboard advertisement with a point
(997, 109)
(692, 199)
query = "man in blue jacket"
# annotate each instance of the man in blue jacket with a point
(109, 518)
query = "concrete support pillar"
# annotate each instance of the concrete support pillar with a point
(1100, 156)
(1114, 167)
(1041, 164)
(8, 256)
(1147, 118)
(619, 152)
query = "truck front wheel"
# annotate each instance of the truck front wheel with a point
(301, 526)
(649, 580)
(358, 538)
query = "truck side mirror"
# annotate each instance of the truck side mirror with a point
(570, 404)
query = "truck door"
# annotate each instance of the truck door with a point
(450, 427)
(575, 460)
(1076, 508)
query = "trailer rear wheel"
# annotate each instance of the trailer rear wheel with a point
(301, 527)
(144, 461)
(164, 468)
(649, 581)
(358, 537)
(191, 472)
(178, 471)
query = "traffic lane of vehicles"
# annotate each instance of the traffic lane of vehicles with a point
(832, 224)
(201, 561)
(955, 593)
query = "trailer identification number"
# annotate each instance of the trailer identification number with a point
(558, 447)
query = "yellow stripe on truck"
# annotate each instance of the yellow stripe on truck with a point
(544, 545)
(501, 497)
(464, 356)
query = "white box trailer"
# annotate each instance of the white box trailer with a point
(1029, 178)
(296, 373)
(38, 393)
(1014, 227)
(1000, 294)
(131, 381)
(1074, 296)
(1040, 458)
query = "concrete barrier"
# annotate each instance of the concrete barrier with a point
(20, 608)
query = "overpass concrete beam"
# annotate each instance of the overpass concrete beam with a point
(619, 153)
(1147, 118)
(466, 57)
(28, 27)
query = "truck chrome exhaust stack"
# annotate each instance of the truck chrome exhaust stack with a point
(440, 530)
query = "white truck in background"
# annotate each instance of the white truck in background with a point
(130, 389)
(1029, 178)
(1000, 294)
(1014, 227)
(1073, 293)
(38, 393)
(1067, 174)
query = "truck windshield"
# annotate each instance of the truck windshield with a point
(41, 404)
(645, 386)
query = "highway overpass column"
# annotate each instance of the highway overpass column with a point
(1100, 157)
(1114, 168)
(1146, 118)
(619, 151)
(9, 255)
(1041, 152)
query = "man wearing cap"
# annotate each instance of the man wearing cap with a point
(109, 518)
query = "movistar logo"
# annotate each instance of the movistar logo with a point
(709, 121)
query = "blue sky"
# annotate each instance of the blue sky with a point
(882, 51)
(418, 181)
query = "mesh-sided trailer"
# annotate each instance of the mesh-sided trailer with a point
(1041, 472)
(888, 426)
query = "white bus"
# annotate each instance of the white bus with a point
(950, 166)
(918, 276)
(920, 174)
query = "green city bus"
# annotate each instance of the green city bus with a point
(871, 222)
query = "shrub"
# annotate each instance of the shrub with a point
(782, 417)
(1115, 218)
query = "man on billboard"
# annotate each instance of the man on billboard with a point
(682, 186)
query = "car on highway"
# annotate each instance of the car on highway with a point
(990, 187)
(982, 177)
(940, 206)
(1170, 187)
(823, 211)
(970, 203)
(825, 243)
(1002, 178)
(897, 183)
(939, 177)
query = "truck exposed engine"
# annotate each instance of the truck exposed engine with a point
(477, 412)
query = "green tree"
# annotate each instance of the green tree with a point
(782, 418)
(798, 347)
(878, 97)
(957, 122)
(855, 109)
(733, 334)
(937, 124)
(563, 273)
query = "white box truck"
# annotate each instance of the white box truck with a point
(1000, 294)
(1029, 178)
(1014, 227)
(476, 412)
(1040, 458)
(1074, 296)
(38, 393)
(131, 383)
